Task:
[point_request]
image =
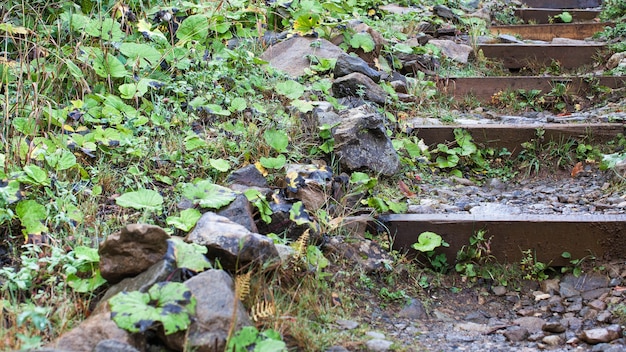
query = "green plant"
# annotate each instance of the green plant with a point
(533, 269)
(471, 259)
(249, 337)
(426, 243)
(169, 303)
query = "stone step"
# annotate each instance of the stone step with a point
(547, 32)
(544, 15)
(563, 4)
(547, 236)
(511, 136)
(535, 56)
(483, 88)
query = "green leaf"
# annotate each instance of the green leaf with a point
(270, 345)
(146, 55)
(298, 214)
(135, 89)
(447, 161)
(291, 89)
(220, 164)
(403, 48)
(276, 139)
(427, 241)
(84, 285)
(316, 258)
(141, 199)
(565, 17)
(9, 191)
(273, 163)
(61, 159)
(194, 27)
(170, 303)
(35, 176)
(186, 221)
(238, 104)
(74, 70)
(362, 40)
(464, 140)
(305, 23)
(190, 255)
(32, 216)
(242, 339)
(302, 105)
(107, 65)
(208, 195)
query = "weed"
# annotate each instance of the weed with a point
(531, 268)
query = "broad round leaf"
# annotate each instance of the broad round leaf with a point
(209, 195)
(427, 241)
(142, 199)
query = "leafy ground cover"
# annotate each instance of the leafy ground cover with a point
(112, 111)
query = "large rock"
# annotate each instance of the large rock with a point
(361, 142)
(457, 52)
(131, 251)
(290, 55)
(346, 64)
(215, 305)
(240, 211)
(98, 327)
(358, 84)
(231, 243)
(158, 272)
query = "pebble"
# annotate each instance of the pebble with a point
(378, 345)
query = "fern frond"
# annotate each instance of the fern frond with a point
(301, 244)
(263, 310)
(242, 285)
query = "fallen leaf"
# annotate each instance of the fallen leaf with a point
(405, 189)
(335, 299)
(577, 169)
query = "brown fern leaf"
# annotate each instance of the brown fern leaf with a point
(301, 244)
(242, 285)
(263, 310)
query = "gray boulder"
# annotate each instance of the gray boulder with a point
(357, 84)
(361, 141)
(215, 304)
(290, 55)
(240, 211)
(232, 244)
(131, 251)
(158, 272)
(346, 64)
(457, 52)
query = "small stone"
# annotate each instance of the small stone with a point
(604, 316)
(532, 324)
(414, 310)
(550, 286)
(555, 327)
(599, 335)
(378, 345)
(552, 340)
(347, 324)
(567, 290)
(516, 333)
(499, 290)
(597, 304)
(540, 296)
(375, 334)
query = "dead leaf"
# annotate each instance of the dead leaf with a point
(578, 168)
(335, 299)
(405, 189)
